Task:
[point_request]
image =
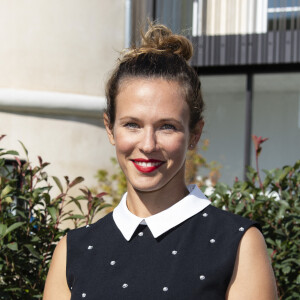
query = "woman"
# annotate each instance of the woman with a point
(164, 240)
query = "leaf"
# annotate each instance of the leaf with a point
(283, 207)
(47, 198)
(40, 160)
(84, 192)
(100, 195)
(75, 217)
(58, 183)
(60, 196)
(18, 161)
(292, 260)
(44, 176)
(52, 212)
(80, 197)
(13, 227)
(76, 181)
(13, 246)
(8, 200)
(45, 164)
(74, 200)
(67, 180)
(2, 163)
(6, 191)
(35, 239)
(244, 186)
(24, 148)
(11, 152)
(32, 251)
(239, 207)
(3, 228)
(102, 207)
(286, 270)
(284, 173)
(20, 213)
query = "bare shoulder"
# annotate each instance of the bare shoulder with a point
(56, 286)
(253, 276)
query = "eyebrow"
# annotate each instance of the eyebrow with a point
(159, 121)
(170, 120)
(129, 118)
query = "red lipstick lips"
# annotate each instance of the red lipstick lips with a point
(147, 165)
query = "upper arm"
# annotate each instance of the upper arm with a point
(56, 286)
(253, 276)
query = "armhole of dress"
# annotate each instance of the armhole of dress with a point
(250, 225)
(69, 276)
(256, 225)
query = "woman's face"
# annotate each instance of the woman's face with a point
(151, 133)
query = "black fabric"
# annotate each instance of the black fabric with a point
(194, 260)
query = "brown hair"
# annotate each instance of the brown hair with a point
(162, 54)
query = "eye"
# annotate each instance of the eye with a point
(131, 125)
(168, 127)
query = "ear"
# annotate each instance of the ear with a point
(109, 129)
(195, 135)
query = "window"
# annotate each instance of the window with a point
(283, 15)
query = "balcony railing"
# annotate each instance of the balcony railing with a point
(230, 32)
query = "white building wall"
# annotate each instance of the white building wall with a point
(64, 49)
(59, 45)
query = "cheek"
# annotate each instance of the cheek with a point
(123, 143)
(177, 148)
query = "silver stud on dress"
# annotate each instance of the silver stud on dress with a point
(141, 234)
(202, 277)
(165, 289)
(125, 285)
(174, 252)
(83, 295)
(113, 262)
(90, 247)
(87, 226)
(241, 229)
(212, 241)
(205, 215)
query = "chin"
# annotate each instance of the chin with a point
(147, 187)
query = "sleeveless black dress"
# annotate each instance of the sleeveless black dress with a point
(193, 260)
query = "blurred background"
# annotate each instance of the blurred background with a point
(55, 57)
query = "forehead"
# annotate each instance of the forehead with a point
(151, 95)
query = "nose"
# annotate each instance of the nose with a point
(148, 141)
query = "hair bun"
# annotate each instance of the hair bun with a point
(160, 39)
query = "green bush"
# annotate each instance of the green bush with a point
(277, 209)
(30, 223)
(30, 217)
(275, 204)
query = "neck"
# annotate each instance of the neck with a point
(145, 204)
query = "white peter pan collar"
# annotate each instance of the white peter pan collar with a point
(161, 222)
